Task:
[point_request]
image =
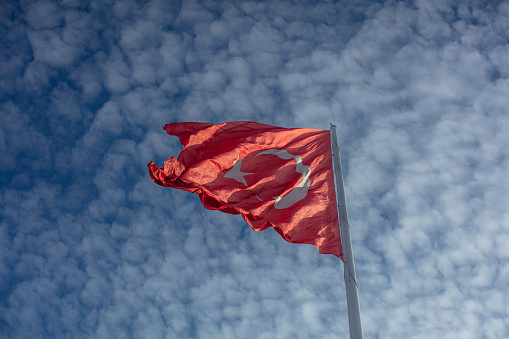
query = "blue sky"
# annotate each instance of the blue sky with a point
(90, 247)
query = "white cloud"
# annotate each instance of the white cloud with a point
(44, 14)
(49, 48)
(90, 247)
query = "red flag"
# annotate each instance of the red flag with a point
(272, 176)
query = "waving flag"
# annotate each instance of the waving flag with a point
(272, 176)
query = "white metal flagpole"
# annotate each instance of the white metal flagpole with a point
(352, 297)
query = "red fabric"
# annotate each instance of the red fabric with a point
(254, 170)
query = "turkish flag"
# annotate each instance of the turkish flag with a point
(272, 176)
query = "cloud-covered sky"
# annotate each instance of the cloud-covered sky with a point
(90, 247)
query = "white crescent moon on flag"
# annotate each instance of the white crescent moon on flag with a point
(298, 193)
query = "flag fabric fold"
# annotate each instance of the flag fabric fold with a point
(272, 176)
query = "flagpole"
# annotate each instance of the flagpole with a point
(352, 297)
